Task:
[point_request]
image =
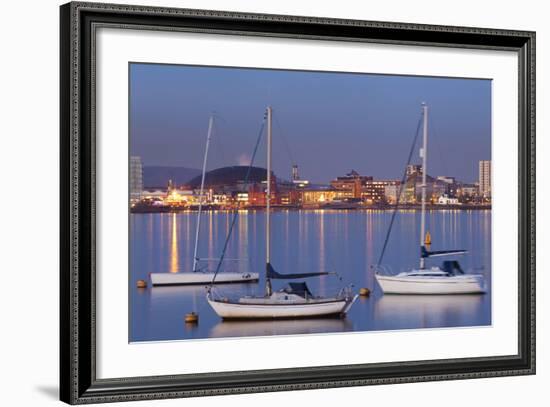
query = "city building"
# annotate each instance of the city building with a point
(352, 183)
(485, 178)
(374, 191)
(244, 187)
(448, 180)
(320, 195)
(296, 180)
(469, 190)
(446, 200)
(391, 191)
(413, 188)
(452, 185)
(136, 179)
(413, 169)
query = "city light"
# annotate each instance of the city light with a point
(349, 191)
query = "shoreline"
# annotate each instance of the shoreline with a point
(171, 209)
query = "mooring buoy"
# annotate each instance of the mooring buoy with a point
(364, 292)
(141, 284)
(192, 318)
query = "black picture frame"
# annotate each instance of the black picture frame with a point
(78, 382)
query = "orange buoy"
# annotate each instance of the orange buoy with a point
(364, 292)
(141, 284)
(192, 318)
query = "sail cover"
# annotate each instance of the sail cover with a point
(452, 267)
(300, 289)
(425, 253)
(271, 273)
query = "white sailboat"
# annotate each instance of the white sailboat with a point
(200, 275)
(294, 301)
(447, 279)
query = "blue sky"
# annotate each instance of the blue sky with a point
(327, 123)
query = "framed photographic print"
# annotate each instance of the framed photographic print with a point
(256, 203)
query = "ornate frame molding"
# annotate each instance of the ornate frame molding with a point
(78, 380)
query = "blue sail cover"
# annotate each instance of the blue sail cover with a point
(452, 267)
(271, 273)
(300, 289)
(425, 253)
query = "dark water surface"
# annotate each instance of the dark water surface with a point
(347, 242)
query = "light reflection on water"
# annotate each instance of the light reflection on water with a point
(347, 242)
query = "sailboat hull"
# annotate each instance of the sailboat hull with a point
(232, 310)
(403, 284)
(187, 278)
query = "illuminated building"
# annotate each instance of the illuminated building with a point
(318, 195)
(375, 191)
(485, 178)
(136, 179)
(413, 169)
(351, 182)
(256, 195)
(242, 197)
(391, 191)
(446, 200)
(468, 190)
(174, 197)
(434, 188)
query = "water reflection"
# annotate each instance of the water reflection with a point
(174, 262)
(284, 327)
(347, 242)
(426, 311)
(166, 294)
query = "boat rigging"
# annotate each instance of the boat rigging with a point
(447, 279)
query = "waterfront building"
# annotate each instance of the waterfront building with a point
(413, 188)
(256, 195)
(469, 189)
(351, 183)
(446, 200)
(452, 185)
(289, 193)
(175, 197)
(136, 179)
(300, 183)
(242, 198)
(391, 191)
(374, 191)
(413, 169)
(320, 195)
(154, 197)
(485, 178)
(448, 180)
(297, 182)
(468, 193)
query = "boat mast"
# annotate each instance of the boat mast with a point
(424, 155)
(268, 290)
(208, 136)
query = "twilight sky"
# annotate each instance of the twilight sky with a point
(327, 123)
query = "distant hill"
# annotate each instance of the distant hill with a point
(158, 176)
(230, 176)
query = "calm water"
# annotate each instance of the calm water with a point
(347, 242)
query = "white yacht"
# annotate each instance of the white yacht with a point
(447, 279)
(200, 275)
(294, 301)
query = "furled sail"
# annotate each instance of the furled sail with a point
(425, 253)
(272, 274)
